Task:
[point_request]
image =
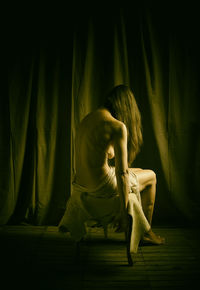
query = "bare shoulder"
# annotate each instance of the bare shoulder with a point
(100, 124)
(118, 128)
(115, 127)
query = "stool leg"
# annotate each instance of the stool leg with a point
(105, 229)
(128, 239)
(77, 251)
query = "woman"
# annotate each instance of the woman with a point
(106, 193)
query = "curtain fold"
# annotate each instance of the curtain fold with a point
(156, 76)
(19, 142)
(120, 55)
(183, 123)
(172, 92)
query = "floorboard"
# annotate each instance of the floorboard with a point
(34, 257)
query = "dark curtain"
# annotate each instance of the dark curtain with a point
(61, 65)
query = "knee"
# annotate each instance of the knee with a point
(154, 178)
(147, 178)
(151, 177)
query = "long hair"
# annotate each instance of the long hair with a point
(122, 105)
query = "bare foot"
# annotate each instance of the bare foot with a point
(151, 238)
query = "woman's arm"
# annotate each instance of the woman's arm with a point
(121, 167)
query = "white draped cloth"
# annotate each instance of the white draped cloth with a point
(102, 204)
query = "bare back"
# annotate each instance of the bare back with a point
(94, 145)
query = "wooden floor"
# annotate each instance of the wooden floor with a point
(41, 258)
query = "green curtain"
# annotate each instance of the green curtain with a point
(36, 121)
(63, 70)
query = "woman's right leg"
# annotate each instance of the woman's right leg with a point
(147, 188)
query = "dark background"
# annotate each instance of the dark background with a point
(60, 62)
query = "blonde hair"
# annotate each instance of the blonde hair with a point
(122, 105)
